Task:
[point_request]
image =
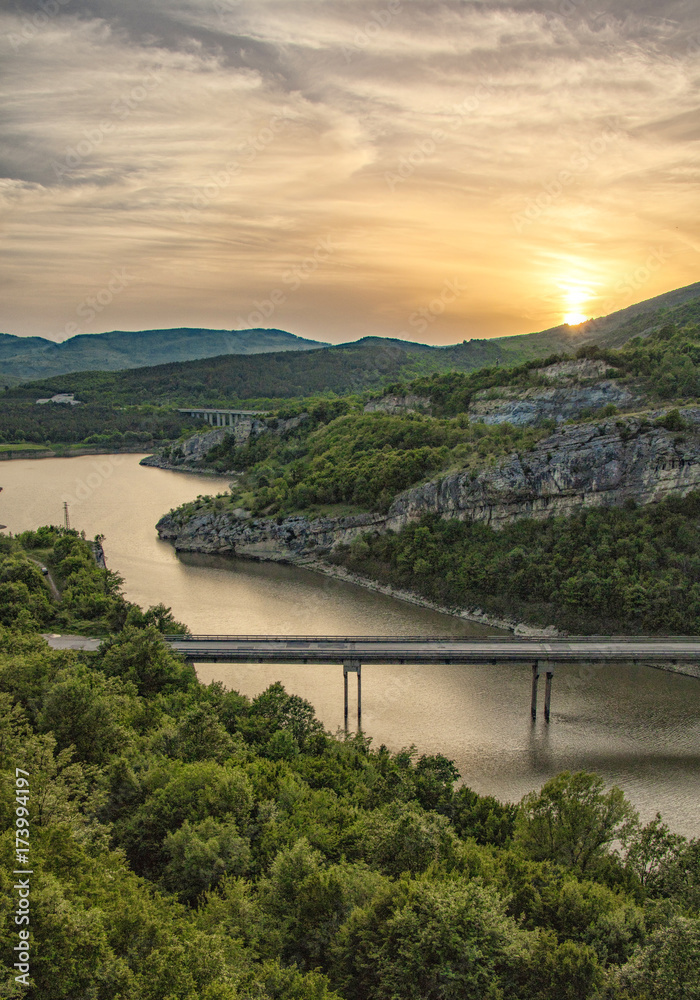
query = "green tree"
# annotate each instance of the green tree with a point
(401, 837)
(572, 820)
(140, 656)
(200, 855)
(275, 710)
(667, 968)
(429, 940)
(652, 851)
(88, 712)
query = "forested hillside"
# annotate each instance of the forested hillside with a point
(141, 405)
(96, 362)
(187, 842)
(680, 306)
(339, 454)
(92, 424)
(662, 366)
(626, 568)
(231, 380)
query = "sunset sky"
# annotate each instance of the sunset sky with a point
(424, 170)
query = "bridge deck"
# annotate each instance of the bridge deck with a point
(355, 651)
(421, 650)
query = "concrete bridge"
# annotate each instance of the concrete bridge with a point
(542, 654)
(222, 418)
(353, 651)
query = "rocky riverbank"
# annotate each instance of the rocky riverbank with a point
(186, 456)
(507, 623)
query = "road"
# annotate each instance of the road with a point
(329, 650)
(354, 652)
(72, 642)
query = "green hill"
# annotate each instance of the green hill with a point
(231, 379)
(33, 357)
(680, 306)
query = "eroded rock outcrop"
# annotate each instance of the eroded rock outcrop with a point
(266, 538)
(585, 465)
(532, 406)
(191, 452)
(582, 465)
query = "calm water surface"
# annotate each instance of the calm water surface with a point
(639, 728)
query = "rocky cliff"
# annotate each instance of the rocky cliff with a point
(586, 465)
(568, 390)
(533, 406)
(190, 453)
(594, 464)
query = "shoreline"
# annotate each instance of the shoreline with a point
(160, 464)
(476, 615)
(513, 625)
(6, 456)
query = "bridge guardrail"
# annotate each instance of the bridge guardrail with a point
(432, 638)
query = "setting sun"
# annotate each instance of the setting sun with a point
(573, 319)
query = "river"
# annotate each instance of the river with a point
(637, 727)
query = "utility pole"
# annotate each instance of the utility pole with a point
(66, 519)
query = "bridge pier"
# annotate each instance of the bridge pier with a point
(547, 690)
(535, 683)
(353, 667)
(548, 693)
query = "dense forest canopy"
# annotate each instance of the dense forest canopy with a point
(235, 379)
(359, 459)
(97, 424)
(603, 570)
(189, 842)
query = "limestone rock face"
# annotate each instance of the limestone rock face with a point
(532, 406)
(580, 370)
(266, 538)
(189, 452)
(583, 465)
(586, 465)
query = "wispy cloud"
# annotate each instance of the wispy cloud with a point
(118, 123)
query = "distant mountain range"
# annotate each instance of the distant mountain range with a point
(23, 358)
(364, 364)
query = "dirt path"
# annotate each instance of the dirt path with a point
(56, 593)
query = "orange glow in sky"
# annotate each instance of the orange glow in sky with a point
(340, 169)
